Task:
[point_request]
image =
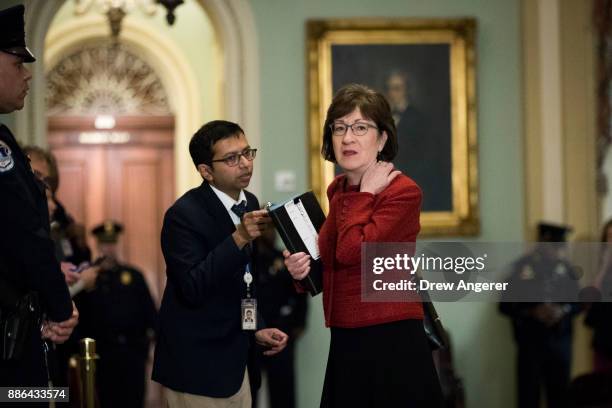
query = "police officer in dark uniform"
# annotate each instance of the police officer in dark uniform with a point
(120, 314)
(543, 329)
(28, 267)
(281, 306)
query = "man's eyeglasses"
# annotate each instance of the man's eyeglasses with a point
(358, 129)
(233, 159)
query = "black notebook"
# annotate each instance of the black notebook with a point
(298, 221)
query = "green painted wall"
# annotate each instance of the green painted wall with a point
(482, 340)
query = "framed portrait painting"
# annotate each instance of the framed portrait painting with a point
(426, 70)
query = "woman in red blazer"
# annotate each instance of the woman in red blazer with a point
(379, 355)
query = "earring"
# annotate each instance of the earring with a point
(378, 156)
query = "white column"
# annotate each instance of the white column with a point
(551, 111)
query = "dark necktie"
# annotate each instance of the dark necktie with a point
(239, 209)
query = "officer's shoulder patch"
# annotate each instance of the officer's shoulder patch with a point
(7, 163)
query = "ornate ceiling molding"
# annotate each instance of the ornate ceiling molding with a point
(105, 79)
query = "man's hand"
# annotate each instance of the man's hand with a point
(70, 274)
(273, 339)
(251, 226)
(59, 332)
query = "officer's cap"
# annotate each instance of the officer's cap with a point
(552, 232)
(12, 33)
(108, 231)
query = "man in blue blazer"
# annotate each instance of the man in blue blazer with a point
(205, 344)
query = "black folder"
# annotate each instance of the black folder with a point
(309, 211)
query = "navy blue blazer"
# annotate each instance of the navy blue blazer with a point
(201, 347)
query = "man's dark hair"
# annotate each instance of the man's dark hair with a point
(201, 144)
(373, 106)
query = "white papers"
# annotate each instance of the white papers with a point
(306, 230)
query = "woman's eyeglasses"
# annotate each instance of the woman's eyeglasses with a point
(358, 129)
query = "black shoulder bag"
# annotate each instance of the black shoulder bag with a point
(436, 335)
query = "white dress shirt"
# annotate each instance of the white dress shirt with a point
(228, 202)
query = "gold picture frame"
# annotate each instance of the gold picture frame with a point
(434, 57)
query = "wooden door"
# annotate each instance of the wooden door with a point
(125, 174)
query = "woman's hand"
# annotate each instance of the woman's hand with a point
(377, 177)
(70, 274)
(297, 264)
(89, 276)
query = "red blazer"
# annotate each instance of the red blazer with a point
(356, 217)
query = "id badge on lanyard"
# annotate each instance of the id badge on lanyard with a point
(248, 307)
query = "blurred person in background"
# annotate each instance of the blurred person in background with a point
(69, 236)
(70, 249)
(119, 313)
(543, 329)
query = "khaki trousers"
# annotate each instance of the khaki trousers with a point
(242, 399)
